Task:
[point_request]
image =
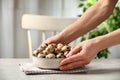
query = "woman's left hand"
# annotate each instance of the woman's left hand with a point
(81, 55)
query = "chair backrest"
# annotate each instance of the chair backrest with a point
(43, 23)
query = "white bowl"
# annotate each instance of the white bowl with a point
(46, 63)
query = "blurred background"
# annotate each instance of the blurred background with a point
(13, 39)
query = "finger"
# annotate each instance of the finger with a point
(73, 65)
(74, 51)
(42, 44)
(49, 41)
(71, 59)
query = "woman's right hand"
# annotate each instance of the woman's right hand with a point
(56, 39)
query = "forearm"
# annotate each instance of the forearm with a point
(108, 40)
(89, 20)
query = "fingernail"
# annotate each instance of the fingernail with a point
(67, 55)
(61, 63)
(62, 68)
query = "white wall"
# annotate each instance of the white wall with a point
(115, 51)
(7, 28)
(50, 7)
(0, 26)
(70, 8)
(67, 8)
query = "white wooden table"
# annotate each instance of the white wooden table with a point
(108, 69)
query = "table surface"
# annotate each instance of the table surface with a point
(97, 70)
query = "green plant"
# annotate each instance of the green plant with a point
(109, 25)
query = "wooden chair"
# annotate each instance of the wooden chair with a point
(44, 24)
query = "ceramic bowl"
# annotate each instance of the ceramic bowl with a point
(46, 63)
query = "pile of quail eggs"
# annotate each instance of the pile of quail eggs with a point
(52, 51)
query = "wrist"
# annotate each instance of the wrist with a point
(63, 38)
(100, 42)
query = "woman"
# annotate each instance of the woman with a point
(84, 52)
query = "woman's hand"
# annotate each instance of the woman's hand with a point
(56, 39)
(81, 55)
